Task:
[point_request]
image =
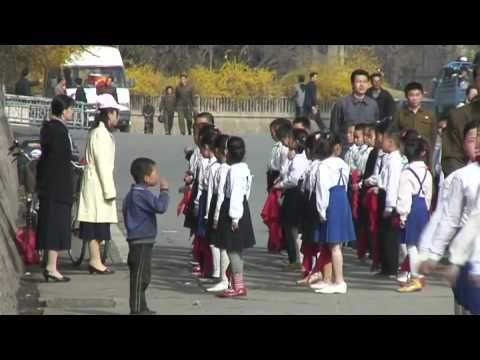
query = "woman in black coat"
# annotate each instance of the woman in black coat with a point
(55, 186)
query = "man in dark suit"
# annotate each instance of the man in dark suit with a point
(23, 86)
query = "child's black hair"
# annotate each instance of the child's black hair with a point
(413, 86)
(311, 144)
(221, 142)
(206, 115)
(394, 134)
(369, 127)
(203, 129)
(381, 127)
(325, 149)
(300, 137)
(208, 137)
(417, 149)
(409, 134)
(361, 127)
(304, 121)
(284, 131)
(332, 141)
(140, 168)
(236, 149)
(279, 122)
(473, 124)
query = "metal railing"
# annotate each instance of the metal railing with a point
(222, 105)
(32, 111)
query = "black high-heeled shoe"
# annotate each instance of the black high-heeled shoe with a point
(48, 276)
(94, 270)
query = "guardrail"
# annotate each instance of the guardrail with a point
(223, 105)
(32, 111)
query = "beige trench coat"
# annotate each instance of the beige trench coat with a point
(97, 196)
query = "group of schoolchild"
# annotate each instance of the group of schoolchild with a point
(215, 204)
(373, 192)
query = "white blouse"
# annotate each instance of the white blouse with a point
(457, 207)
(350, 155)
(389, 178)
(219, 188)
(202, 177)
(279, 154)
(328, 175)
(360, 158)
(296, 171)
(410, 186)
(194, 160)
(210, 180)
(310, 178)
(237, 187)
(373, 180)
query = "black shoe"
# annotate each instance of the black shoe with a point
(48, 276)
(107, 271)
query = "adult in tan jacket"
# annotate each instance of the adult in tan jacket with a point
(97, 205)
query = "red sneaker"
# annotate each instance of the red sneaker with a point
(232, 293)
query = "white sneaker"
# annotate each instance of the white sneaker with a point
(319, 285)
(403, 277)
(334, 289)
(221, 286)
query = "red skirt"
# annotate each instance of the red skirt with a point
(271, 217)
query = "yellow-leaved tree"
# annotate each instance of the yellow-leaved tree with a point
(333, 78)
(148, 81)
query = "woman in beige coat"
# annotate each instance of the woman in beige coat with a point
(97, 205)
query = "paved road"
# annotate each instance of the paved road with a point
(272, 290)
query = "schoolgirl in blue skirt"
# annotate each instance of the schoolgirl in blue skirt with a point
(413, 205)
(334, 211)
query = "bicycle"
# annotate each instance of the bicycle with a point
(27, 155)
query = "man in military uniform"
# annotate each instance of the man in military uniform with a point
(414, 116)
(148, 114)
(185, 104)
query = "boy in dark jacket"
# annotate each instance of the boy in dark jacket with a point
(139, 211)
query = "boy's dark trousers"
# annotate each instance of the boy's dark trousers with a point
(388, 238)
(139, 264)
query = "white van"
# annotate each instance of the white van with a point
(91, 65)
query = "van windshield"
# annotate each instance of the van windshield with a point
(91, 75)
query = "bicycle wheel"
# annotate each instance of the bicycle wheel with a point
(77, 252)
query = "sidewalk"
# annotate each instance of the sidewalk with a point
(272, 291)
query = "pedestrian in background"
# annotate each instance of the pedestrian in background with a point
(299, 96)
(61, 88)
(353, 109)
(55, 186)
(385, 102)
(185, 104)
(23, 85)
(97, 206)
(148, 113)
(310, 103)
(80, 94)
(167, 109)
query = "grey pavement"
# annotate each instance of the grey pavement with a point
(175, 291)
